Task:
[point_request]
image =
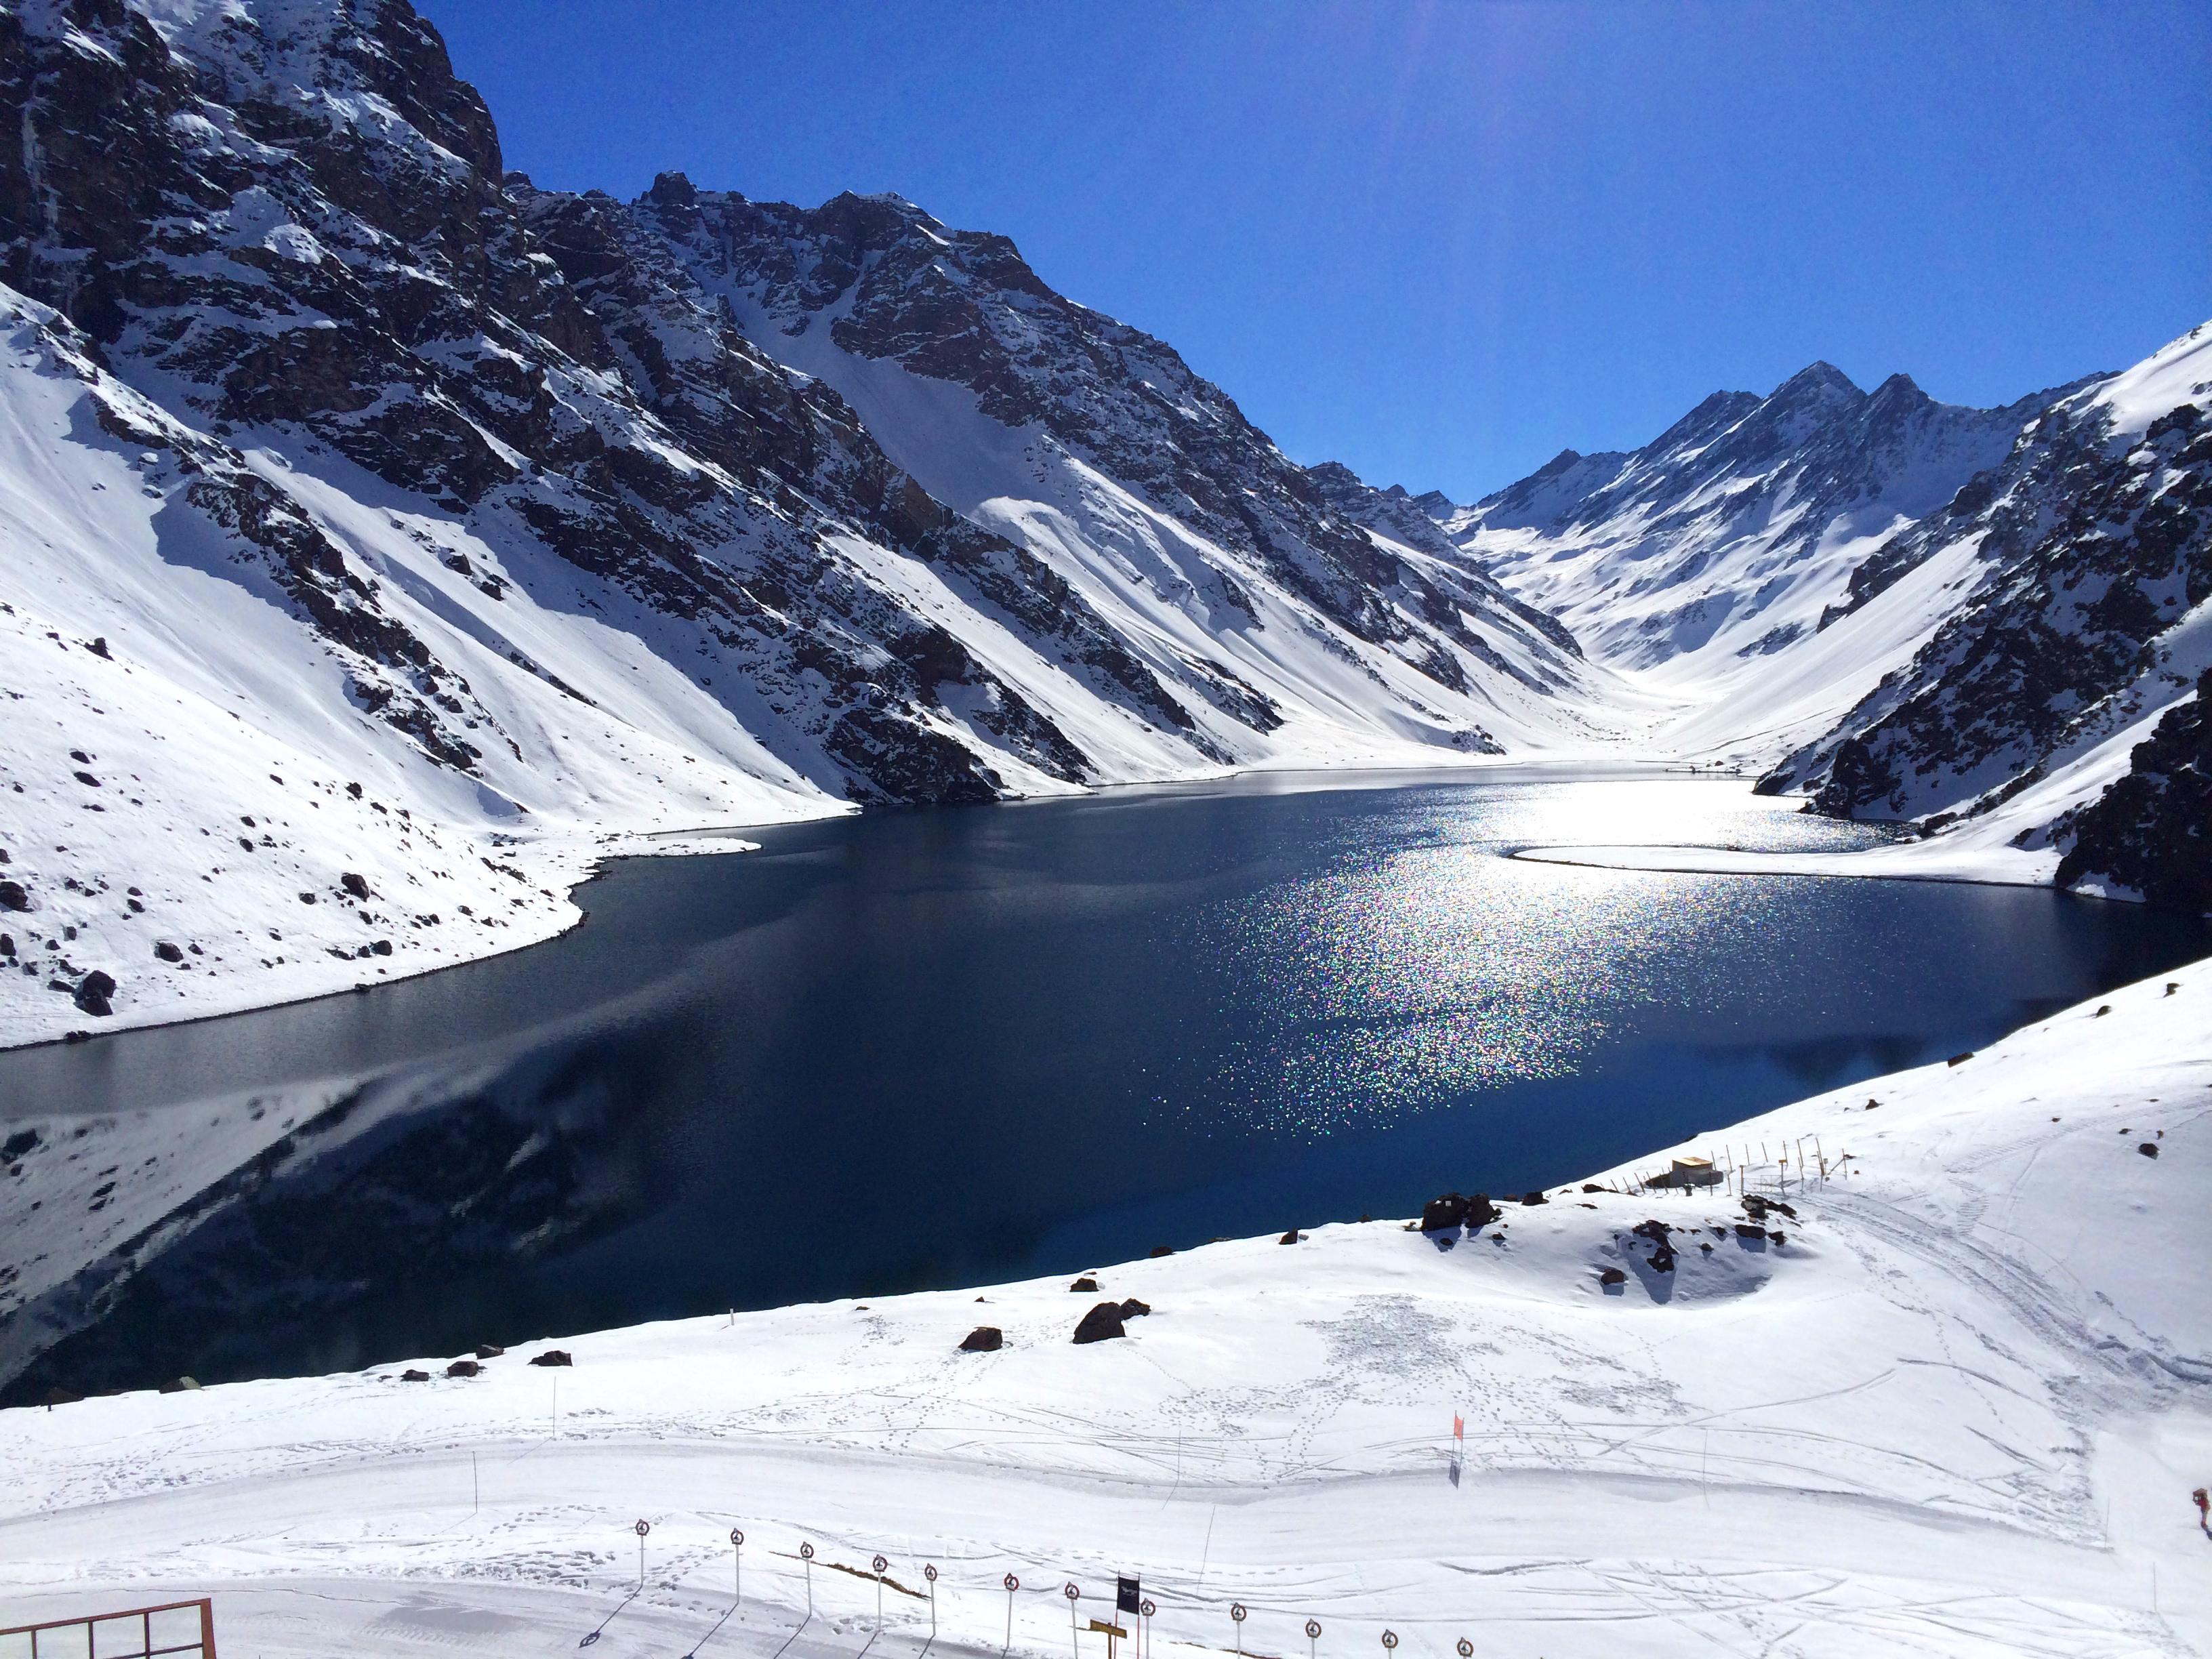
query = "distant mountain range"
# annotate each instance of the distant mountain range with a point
(386, 536)
(1903, 609)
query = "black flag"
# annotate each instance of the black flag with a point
(1125, 1595)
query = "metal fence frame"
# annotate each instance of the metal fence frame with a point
(201, 1646)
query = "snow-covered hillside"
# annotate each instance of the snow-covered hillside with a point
(386, 536)
(1949, 1400)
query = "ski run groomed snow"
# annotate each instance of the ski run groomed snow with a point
(1956, 1407)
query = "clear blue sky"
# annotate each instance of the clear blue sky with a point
(1440, 241)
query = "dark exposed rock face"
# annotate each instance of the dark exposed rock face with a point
(2151, 830)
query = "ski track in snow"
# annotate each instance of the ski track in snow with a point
(1957, 1411)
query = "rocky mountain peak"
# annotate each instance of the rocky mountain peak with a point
(1819, 381)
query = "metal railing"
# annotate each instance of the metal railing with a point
(182, 1627)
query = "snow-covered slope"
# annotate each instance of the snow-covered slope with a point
(337, 456)
(1951, 1401)
(1730, 535)
(1232, 571)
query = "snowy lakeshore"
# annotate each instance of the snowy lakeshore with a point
(1956, 1407)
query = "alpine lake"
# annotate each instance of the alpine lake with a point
(949, 1047)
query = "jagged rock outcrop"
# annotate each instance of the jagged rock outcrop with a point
(2150, 832)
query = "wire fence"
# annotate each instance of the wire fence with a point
(1107, 1613)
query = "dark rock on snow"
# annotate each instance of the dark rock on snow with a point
(987, 1338)
(1085, 1284)
(463, 1368)
(1101, 1324)
(1439, 1213)
(95, 992)
(552, 1356)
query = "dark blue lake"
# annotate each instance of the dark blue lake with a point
(937, 1048)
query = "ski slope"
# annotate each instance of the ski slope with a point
(1956, 1409)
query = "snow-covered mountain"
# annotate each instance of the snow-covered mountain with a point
(383, 539)
(2082, 611)
(381, 534)
(1905, 610)
(1732, 533)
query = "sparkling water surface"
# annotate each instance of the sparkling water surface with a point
(948, 1046)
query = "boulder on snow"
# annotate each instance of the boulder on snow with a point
(1592, 1187)
(1085, 1284)
(1291, 1237)
(1534, 1198)
(93, 993)
(166, 951)
(463, 1368)
(552, 1356)
(1101, 1323)
(355, 883)
(13, 897)
(1159, 1250)
(181, 1385)
(1749, 1230)
(1480, 1212)
(411, 1375)
(1612, 1276)
(486, 1351)
(2148, 1149)
(1133, 1309)
(1442, 1212)
(986, 1338)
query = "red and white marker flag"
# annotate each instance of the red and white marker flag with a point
(1459, 1429)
